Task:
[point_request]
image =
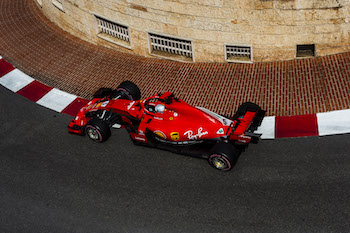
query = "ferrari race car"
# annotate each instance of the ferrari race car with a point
(166, 122)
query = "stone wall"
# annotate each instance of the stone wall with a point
(272, 27)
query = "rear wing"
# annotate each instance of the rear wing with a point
(257, 120)
(246, 120)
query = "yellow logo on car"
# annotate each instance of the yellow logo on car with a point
(160, 134)
(175, 136)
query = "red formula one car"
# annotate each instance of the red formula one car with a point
(166, 122)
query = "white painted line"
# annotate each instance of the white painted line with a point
(15, 80)
(335, 122)
(267, 128)
(56, 100)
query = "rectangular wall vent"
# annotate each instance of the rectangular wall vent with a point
(170, 47)
(113, 32)
(58, 4)
(238, 53)
(306, 50)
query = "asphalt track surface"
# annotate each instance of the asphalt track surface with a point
(51, 181)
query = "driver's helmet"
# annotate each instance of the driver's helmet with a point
(160, 108)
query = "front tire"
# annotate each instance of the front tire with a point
(97, 130)
(128, 90)
(223, 156)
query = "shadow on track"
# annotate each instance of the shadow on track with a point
(52, 181)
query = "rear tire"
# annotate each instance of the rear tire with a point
(97, 130)
(128, 90)
(223, 156)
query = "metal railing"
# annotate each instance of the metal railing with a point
(113, 29)
(171, 45)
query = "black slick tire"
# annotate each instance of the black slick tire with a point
(223, 156)
(97, 130)
(129, 90)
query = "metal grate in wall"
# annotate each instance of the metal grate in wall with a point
(238, 53)
(171, 47)
(306, 50)
(111, 30)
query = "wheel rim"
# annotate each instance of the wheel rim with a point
(93, 134)
(219, 163)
